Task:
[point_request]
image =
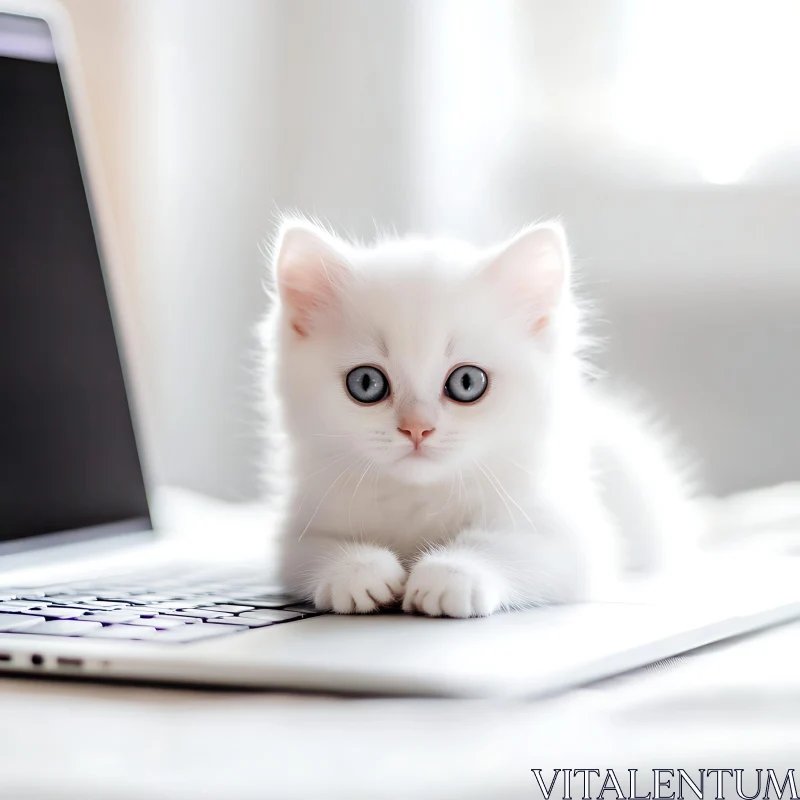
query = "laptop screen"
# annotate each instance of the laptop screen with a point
(68, 457)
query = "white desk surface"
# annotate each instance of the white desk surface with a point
(734, 705)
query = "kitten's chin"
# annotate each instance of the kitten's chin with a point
(419, 471)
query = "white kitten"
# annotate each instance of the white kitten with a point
(444, 447)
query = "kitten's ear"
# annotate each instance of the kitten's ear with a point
(310, 266)
(534, 269)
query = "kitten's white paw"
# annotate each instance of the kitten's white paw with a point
(454, 585)
(361, 581)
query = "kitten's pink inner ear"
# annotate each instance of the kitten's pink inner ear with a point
(533, 270)
(310, 268)
(539, 324)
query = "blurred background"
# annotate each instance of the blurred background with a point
(665, 134)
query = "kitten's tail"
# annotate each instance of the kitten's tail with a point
(766, 520)
(647, 483)
(650, 487)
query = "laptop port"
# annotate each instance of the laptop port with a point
(37, 660)
(61, 661)
(5, 656)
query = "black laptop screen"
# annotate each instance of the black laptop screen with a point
(68, 458)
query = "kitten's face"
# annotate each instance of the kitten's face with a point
(414, 362)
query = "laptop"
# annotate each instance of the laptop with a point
(90, 588)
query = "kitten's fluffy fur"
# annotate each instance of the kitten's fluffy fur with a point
(538, 493)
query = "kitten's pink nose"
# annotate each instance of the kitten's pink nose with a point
(416, 430)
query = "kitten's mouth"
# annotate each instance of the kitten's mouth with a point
(416, 454)
(419, 466)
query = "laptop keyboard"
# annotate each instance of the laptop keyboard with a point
(167, 606)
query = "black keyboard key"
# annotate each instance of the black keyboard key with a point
(143, 611)
(15, 622)
(250, 623)
(306, 609)
(116, 597)
(226, 607)
(177, 605)
(266, 602)
(196, 613)
(153, 597)
(108, 617)
(68, 598)
(86, 606)
(191, 633)
(207, 600)
(190, 597)
(63, 627)
(58, 612)
(20, 605)
(276, 596)
(272, 614)
(163, 622)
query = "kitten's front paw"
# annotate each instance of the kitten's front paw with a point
(453, 585)
(361, 581)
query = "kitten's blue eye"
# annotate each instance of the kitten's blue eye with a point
(367, 384)
(466, 384)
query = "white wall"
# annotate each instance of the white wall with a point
(467, 117)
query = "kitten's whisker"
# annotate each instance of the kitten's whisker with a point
(350, 476)
(447, 502)
(480, 492)
(375, 491)
(350, 508)
(497, 491)
(467, 499)
(302, 502)
(508, 495)
(514, 463)
(328, 466)
(353, 469)
(479, 486)
(363, 474)
(462, 489)
(322, 500)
